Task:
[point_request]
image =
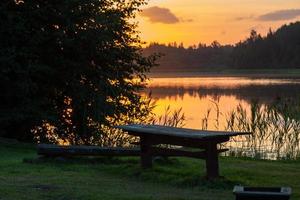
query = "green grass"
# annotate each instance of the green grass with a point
(112, 178)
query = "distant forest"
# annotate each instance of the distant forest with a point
(276, 50)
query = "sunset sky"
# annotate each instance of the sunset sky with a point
(227, 21)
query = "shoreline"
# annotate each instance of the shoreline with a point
(291, 73)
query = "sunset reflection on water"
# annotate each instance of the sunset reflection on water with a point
(211, 82)
(198, 96)
(196, 108)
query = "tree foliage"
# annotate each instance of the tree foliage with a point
(73, 64)
(177, 58)
(279, 49)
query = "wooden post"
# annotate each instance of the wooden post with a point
(212, 164)
(146, 157)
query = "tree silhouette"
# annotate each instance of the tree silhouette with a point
(279, 49)
(71, 64)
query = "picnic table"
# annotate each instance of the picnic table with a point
(153, 135)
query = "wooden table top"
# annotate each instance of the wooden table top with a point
(158, 130)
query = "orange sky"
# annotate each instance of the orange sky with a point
(228, 21)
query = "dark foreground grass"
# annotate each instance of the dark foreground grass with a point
(111, 178)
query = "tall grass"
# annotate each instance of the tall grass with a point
(276, 130)
(174, 118)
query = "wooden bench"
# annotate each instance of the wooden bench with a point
(51, 150)
(151, 135)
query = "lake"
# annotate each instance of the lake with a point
(196, 96)
(213, 98)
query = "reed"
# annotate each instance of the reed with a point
(174, 118)
(275, 128)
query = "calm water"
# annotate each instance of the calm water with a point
(197, 96)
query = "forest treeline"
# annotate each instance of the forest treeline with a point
(279, 49)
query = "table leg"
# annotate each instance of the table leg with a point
(212, 163)
(146, 157)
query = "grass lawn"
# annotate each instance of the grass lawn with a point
(112, 178)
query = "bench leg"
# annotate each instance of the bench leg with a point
(146, 157)
(212, 163)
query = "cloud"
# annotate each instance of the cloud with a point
(244, 18)
(280, 15)
(160, 15)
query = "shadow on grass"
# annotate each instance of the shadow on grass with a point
(169, 171)
(84, 160)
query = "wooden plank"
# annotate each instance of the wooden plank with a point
(55, 150)
(212, 163)
(186, 142)
(177, 153)
(157, 151)
(137, 129)
(146, 156)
